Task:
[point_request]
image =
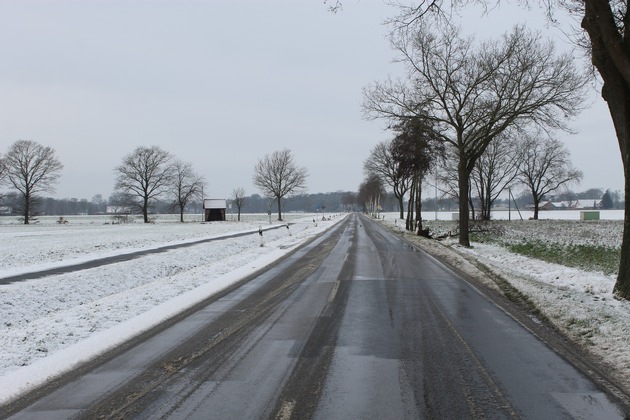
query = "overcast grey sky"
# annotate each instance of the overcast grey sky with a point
(218, 84)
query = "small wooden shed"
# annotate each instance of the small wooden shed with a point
(214, 209)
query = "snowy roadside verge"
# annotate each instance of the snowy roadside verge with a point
(51, 325)
(23, 379)
(578, 303)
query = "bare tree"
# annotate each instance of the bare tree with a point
(472, 93)
(414, 150)
(99, 204)
(31, 169)
(145, 174)
(370, 193)
(348, 200)
(381, 163)
(238, 196)
(607, 201)
(545, 167)
(495, 170)
(187, 185)
(277, 176)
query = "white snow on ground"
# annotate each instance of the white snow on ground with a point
(51, 324)
(579, 303)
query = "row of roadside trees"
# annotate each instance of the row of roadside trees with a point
(467, 94)
(538, 163)
(462, 96)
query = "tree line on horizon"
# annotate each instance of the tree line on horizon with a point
(148, 180)
(331, 202)
(178, 188)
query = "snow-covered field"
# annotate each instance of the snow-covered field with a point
(524, 215)
(50, 324)
(580, 303)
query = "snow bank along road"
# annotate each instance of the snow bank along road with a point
(357, 324)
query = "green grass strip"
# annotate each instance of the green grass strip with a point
(584, 257)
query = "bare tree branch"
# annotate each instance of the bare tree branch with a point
(381, 163)
(545, 167)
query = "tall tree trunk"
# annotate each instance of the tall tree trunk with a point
(419, 206)
(536, 208)
(488, 214)
(463, 181)
(27, 208)
(471, 203)
(401, 205)
(145, 210)
(486, 202)
(622, 286)
(410, 207)
(616, 92)
(279, 209)
(610, 55)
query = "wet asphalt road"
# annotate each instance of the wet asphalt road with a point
(358, 324)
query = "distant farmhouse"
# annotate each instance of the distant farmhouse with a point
(578, 204)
